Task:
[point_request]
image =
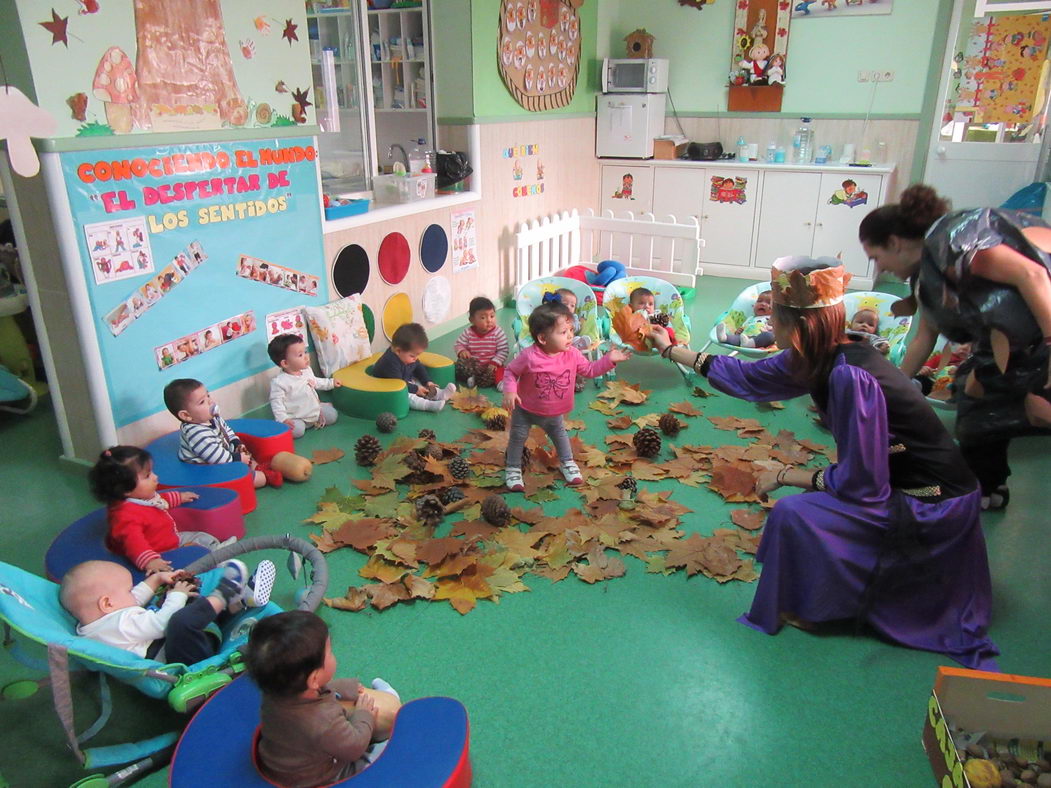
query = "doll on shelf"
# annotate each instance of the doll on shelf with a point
(775, 70)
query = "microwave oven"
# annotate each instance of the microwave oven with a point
(648, 75)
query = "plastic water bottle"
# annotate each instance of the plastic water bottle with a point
(418, 157)
(771, 153)
(742, 149)
(803, 143)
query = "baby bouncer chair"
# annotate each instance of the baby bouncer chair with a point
(666, 300)
(30, 607)
(531, 295)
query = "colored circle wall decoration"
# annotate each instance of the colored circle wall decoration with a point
(350, 272)
(370, 321)
(396, 313)
(436, 298)
(538, 51)
(434, 248)
(394, 258)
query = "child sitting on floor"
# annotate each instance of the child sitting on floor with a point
(483, 340)
(401, 361)
(204, 436)
(756, 331)
(538, 388)
(864, 327)
(293, 393)
(641, 299)
(110, 609)
(140, 528)
(314, 729)
(938, 373)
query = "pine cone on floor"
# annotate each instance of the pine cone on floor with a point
(495, 510)
(430, 510)
(365, 450)
(485, 376)
(459, 468)
(427, 435)
(495, 418)
(414, 460)
(386, 422)
(450, 495)
(669, 424)
(660, 319)
(434, 451)
(629, 483)
(647, 442)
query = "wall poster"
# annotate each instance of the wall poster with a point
(465, 241)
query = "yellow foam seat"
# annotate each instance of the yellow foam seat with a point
(365, 396)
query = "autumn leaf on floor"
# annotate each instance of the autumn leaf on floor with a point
(466, 589)
(743, 426)
(604, 407)
(470, 401)
(649, 420)
(619, 423)
(713, 558)
(685, 407)
(323, 456)
(355, 600)
(772, 405)
(554, 552)
(345, 503)
(703, 393)
(618, 391)
(419, 588)
(599, 566)
(696, 479)
(554, 574)
(383, 595)
(646, 471)
(363, 534)
(399, 550)
(622, 439)
(749, 519)
(529, 516)
(379, 569)
(720, 561)
(680, 467)
(658, 564)
(542, 496)
(385, 505)
(745, 572)
(433, 551)
(732, 483)
(591, 456)
(518, 542)
(328, 516)
(473, 529)
(324, 542)
(574, 424)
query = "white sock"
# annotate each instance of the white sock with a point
(448, 391)
(417, 402)
(383, 686)
(720, 332)
(747, 341)
(500, 386)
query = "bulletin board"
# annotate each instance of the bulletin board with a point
(227, 225)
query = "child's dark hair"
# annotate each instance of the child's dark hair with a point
(639, 292)
(409, 336)
(545, 317)
(284, 649)
(279, 345)
(178, 392)
(911, 217)
(116, 473)
(479, 304)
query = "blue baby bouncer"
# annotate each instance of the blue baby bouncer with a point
(29, 607)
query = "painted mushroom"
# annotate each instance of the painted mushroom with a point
(115, 85)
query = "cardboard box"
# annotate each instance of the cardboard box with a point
(669, 148)
(1014, 709)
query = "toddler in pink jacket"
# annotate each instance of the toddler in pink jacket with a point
(538, 388)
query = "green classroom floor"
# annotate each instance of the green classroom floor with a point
(640, 680)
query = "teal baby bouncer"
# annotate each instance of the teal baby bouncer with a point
(30, 608)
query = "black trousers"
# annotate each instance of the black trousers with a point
(988, 461)
(185, 639)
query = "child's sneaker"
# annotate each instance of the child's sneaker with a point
(383, 686)
(232, 583)
(571, 471)
(258, 588)
(513, 479)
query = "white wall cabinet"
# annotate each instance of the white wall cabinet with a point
(751, 215)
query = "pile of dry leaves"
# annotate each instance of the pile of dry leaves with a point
(476, 560)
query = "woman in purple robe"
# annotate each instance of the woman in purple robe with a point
(890, 533)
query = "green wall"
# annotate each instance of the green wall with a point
(824, 55)
(491, 99)
(453, 86)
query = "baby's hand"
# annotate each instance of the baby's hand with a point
(511, 401)
(157, 565)
(158, 579)
(187, 587)
(288, 423)
(617, 355)
(464, 354)
(186, 497)
(337, 384)
(366, 703)
(432, 389)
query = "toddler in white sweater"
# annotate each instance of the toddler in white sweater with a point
(293, 393)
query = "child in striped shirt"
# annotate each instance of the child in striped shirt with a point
(483, 340)
(204, 436)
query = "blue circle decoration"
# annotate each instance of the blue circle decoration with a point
(434, 248)
(350, 272)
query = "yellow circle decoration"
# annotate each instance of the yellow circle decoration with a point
(396, 313)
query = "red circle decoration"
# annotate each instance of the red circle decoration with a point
(394, 258)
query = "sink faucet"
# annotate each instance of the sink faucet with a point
(404, 155)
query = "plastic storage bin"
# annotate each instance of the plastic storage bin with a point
(339, 208)
(403, 188)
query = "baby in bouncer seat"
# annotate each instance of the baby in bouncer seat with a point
(756, 331)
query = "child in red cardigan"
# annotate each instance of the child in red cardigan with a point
(140, 527)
